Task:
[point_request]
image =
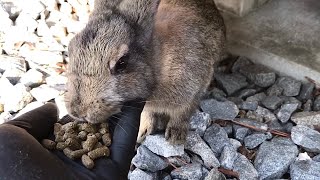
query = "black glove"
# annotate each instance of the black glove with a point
(23, 157)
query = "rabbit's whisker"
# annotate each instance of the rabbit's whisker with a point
(123, 114)
(119, 124)
(131, 107)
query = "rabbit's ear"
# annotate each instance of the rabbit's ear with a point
(141, 13)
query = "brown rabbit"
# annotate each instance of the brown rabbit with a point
(163, 52)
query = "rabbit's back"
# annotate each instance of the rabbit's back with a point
(188, 40)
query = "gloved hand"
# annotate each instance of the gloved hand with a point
(23, 157)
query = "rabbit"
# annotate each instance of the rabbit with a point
(161, 51)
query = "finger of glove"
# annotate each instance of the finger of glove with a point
(125, 135)
(38, 122)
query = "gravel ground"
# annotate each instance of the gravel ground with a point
(253, 123)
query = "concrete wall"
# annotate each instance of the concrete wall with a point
(239, 7)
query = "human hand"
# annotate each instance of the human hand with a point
(39, 125)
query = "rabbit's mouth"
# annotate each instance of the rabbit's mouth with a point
(98, 115)
(102, 116)
(96, 112)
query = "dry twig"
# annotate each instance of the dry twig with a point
(167, 160)
(185, 163)
(229, 172)
(317, 91)
(274, 132)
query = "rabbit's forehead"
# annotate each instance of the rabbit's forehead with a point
(93, 49)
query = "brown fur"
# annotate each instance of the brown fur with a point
(172, 50)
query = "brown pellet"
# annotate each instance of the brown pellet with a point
(69, 135)
(49, 144)
(99, 152)
(69, 126)
(73, 143)
(74, 154)
(90, 143)
(61, 146)
(103, 130)
(89, 128)
(106, 139)
(81, 140)
(98, 135)
(104, 125)
(98, 145)
(71, 131)
(56, 128)
(82, 135)
(78, 153)
(68, 153)
(58, 138)
(87, 162)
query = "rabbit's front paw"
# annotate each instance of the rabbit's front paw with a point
(147, 125)
(176, 135)
(143, 132)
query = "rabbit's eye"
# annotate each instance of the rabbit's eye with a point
(121, 64)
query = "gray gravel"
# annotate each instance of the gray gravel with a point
(306, 118)
(316, 158)
(44, 93)
(240, 132)
(190, 172)
(307, 106)
(272, 102)
(235, 143)
(138, 174)
(259, 75)
(306, 137)
(240, 62)
(158, 145)
(146, 160)
(16, 98)
(245, 169)
(249, 105)
(196, 145)
(316, 104)
(265, 114)
(214, 174)
(291, 100)
(231, 83)
(228, 156)
(217, 94)
(199, 122)
(32, 78)
(220, 110)
(217, 138)
(243, 94)
(305, 170)
(254, 140)
(274, 158)
(257, 97)
(13, 75)
(306, 91)
(9, 62)
(274, 90)
(286, 111)
(291, 87)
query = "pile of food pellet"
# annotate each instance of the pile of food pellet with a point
(81, 140)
